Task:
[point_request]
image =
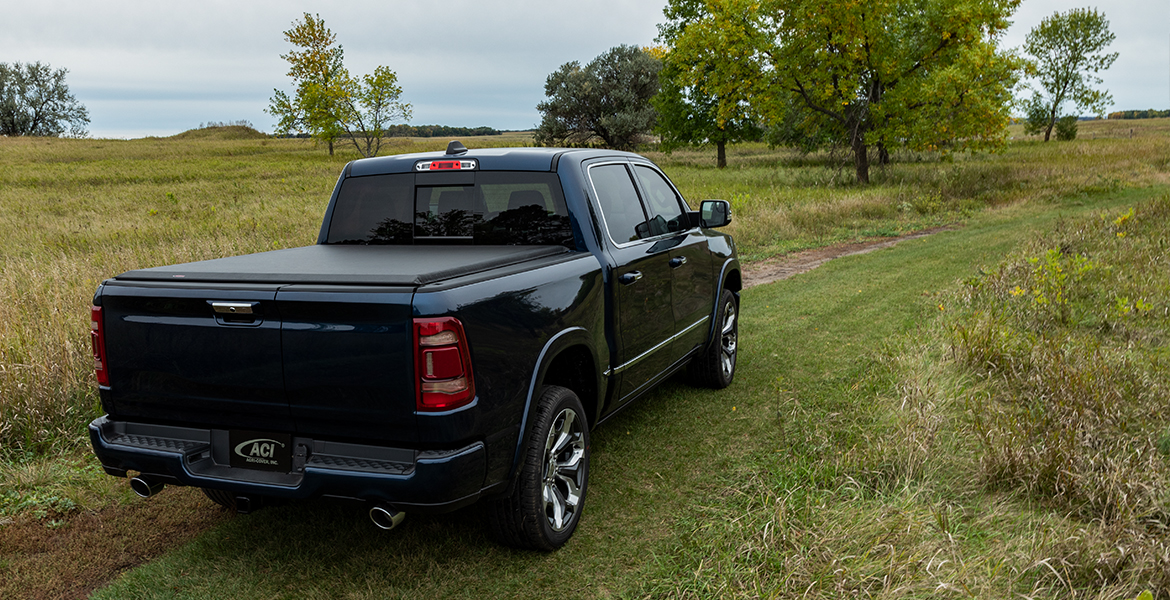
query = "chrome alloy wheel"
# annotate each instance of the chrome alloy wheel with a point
(563, 476)
(728, 339)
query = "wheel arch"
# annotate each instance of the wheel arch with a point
(569, 359)
(731, 279)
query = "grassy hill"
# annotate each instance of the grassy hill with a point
(224, 132)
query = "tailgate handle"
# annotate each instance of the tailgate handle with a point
(233, 308)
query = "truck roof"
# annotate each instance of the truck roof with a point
(489, 159)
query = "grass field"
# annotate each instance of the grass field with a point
(842, 461)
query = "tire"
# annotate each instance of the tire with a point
(715, 367)
(546, 503)
(222, 498)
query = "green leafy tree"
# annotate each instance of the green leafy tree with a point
(607, 100)
(328, 102)
(1067, 51)
(919, 74)
(367, 106)
(687, 115)
(35, 101)
(316, 68)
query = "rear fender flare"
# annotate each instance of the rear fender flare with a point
(566, 338)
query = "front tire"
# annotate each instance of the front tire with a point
(545, 506)
(715, 367)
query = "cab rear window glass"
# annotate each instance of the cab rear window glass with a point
(495, 208)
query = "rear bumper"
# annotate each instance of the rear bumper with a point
(406, 478)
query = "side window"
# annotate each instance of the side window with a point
(666, 212)
(619, 202)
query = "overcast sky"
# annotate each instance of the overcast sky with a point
(160, 67)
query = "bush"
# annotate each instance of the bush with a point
(1066, 128)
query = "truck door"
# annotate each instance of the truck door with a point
(641, 282)
(691, 269)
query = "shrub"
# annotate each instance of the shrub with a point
(1069, 347)
(1066, 128)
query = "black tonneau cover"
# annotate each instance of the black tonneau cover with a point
(343, 264)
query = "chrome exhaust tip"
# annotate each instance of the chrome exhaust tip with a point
(386, 517)
(146, 487)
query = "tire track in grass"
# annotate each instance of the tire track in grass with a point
(786, 266)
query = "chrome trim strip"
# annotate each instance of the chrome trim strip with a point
(672, 338)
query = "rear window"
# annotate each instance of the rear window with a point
(484, 208)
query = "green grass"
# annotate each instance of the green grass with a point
(818, 471)
(796, 480)
(870, 481)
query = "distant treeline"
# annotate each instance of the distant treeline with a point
(216, 124)
(437, 131)
(1139, 114)
(424, 131)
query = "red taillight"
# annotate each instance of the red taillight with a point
(442, 364)
(98, 340)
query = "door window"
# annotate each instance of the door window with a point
(666, 213)
(620, 207)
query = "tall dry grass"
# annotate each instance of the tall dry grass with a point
(1066, 340)
(75, 212)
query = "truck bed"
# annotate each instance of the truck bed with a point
(342, 264)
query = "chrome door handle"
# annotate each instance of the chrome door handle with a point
(629, 278)
(678, 261)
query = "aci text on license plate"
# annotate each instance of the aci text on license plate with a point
(262, 450)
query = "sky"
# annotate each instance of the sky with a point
(161, 67)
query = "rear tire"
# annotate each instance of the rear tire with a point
(545, 505)
(715, 367)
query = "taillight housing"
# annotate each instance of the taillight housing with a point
(442, 365)
(97, 339)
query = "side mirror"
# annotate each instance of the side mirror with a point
(714, 213)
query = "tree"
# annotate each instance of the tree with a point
(919, 74)
(687, 115)
(608, 99)
(34, 100)
(366, 107)
(1067, 49)
(328, 101)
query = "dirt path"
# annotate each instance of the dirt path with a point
(784, 267)
(88, 549)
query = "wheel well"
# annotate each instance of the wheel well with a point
(573, 368)
(733, 281)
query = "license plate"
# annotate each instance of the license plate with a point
(261, 450)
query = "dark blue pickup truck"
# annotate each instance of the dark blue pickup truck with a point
(463, 321)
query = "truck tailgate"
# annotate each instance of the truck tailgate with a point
(176, 359)
(348, 361)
